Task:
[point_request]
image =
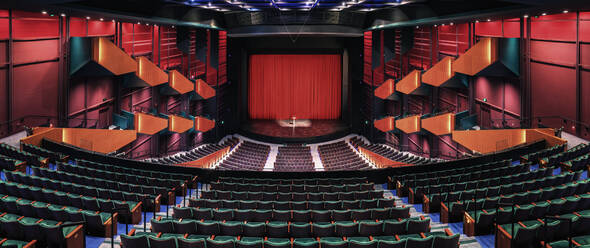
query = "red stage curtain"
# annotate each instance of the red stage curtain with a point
(305, 86)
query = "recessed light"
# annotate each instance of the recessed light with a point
(88, 18)
(44, 12)
(101, 19)
(526, 16)
(489, 20)
(452, 24)
(476, 21)
(544, 14)
(63, 15)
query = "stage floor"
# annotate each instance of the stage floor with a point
(318, 128)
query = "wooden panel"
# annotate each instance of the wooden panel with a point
(180, 83)
(409, 83)
(204, 90)
(207, 161)
(478, 57)
(89, 139)
(149, 124)
(409, 124)
(380, 161)
(150, 72)
(203, 124)
(94, 139)
(385, 125)
(386, 89)
(439, 73)
(533, 135)
(179, 124)
(487, 141)
(440, 125)
(108, 55)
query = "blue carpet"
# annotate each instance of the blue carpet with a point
(557, 171)
(486, 241)
(92, 242)
(435, 217)
(515, 162)
(584, 175)
(534, 167)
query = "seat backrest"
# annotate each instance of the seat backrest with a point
(446, 241)
(133, 241)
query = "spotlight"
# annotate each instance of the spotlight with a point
(101, 19)
(476, 21)
(565, 11)
(113, 20)
(63, 15)
(44, 12)
(544, 14)
(435, 25)
(451, 24)
(138, 23)
(489, 20)
(526, 16)
(88, 18)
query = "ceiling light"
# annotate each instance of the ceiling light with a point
(452, 24)
(63, 15)
(526, 16)
(565, 11)
(44, 12)
(476, 21)
(88, 18)
(435, 25)
(209, 4)
(101, 19)
(544, 14)
(489, 20)
(113, 20)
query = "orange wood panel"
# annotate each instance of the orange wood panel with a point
(409, 124)
(386, 124)
(204, 90)
(87, 138)
(547, 134)
(150, 72)
(98, 140)
(386, 89)
(207, 161)
(380, 161)
(203, 124)
(439, 73)
(40, 133)
(149, 124)
(180, 83)
(478, 57)
(487, 141)
(440, 124)
(111, 57)
(179, 124)
(410, 82)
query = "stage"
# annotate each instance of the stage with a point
(313, 131)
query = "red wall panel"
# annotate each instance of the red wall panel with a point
(31, 51)
(493, 28)
(560, 27)
(554, 52)
(3, 28)
(28, 25)
(585, 77)
(77, 27)
(101, 28)
(3, 102)
(553, 91)
(35, 90)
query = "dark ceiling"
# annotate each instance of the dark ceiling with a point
(234, 13)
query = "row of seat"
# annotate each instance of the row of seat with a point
(30, 158)
(126, 170)
(574, 152)
(486, 218)
(418, 192)
(43, 232)
(88, 191)
(547, 230)
(547, 152)
(41, 152)
(296, 188)
(294, 230)
(75, 200)
(450, 175)
(455, 211)
(7, 163)
(105, 188)
(159, 240)
(432, 201)
(290, 215)
(96, 223)
(577, 164)
(306, 181)
(292, 205)
(267, 196)
(122, 177)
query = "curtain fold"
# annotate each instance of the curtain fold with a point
(282, 86)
